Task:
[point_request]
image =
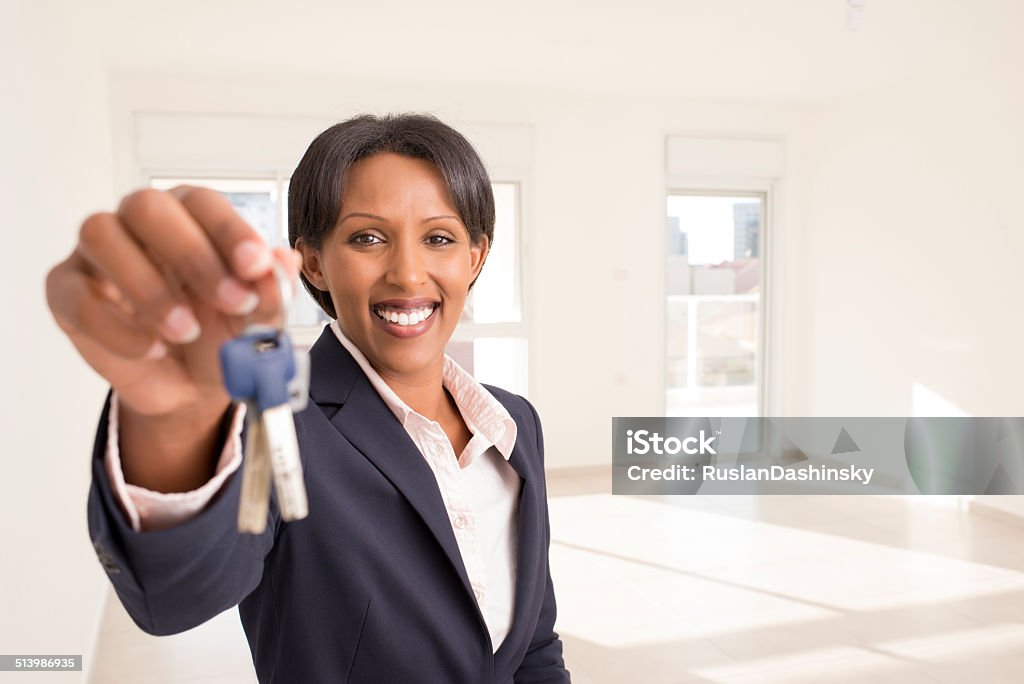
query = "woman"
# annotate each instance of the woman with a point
(425, 554)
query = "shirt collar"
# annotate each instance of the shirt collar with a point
(484, 414)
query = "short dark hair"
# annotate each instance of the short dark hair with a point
(316, 186)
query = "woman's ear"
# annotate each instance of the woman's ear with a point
(478, 254)
(311, 266)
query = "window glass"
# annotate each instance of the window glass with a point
(495, 298)
(713, 273)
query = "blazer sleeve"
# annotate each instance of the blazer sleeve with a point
(174, 579)
(543, 663)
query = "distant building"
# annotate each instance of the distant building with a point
(677, 240)
(746, 218)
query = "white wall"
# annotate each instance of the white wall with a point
(55, 167)
(913, 247)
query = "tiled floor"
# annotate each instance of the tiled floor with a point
(726, 589)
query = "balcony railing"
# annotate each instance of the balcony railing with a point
(712, 353)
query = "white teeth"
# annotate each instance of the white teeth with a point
(404, 316)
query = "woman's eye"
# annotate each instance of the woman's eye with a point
(438, 240)
(365, 239)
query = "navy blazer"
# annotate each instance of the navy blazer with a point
(370, 587)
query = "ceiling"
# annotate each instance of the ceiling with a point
(782, 50)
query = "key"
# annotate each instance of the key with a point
(256, 474)
(261, 368)
(258, 366)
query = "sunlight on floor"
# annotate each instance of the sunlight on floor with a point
(786, 589)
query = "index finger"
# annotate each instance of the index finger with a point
(242, 248)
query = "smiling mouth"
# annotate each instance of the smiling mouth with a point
(403, 316)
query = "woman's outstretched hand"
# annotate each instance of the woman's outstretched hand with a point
(151, 291)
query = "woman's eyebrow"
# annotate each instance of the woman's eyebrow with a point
(363, 214)
(381, 218)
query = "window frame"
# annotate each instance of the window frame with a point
(211, 146)
(768, 367)
(306, 335)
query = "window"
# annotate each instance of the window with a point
(490, 341)
(714, 346)
(262, 202)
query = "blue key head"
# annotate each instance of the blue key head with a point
(257, 366)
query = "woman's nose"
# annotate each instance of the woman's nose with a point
(406, 267)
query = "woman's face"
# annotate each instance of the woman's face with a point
(398, 264)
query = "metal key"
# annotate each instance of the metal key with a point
(256, 476)
(261, 368)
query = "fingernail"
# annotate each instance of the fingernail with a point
(239, 299)
(252, 259)
(158, 350)
(181, 326)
